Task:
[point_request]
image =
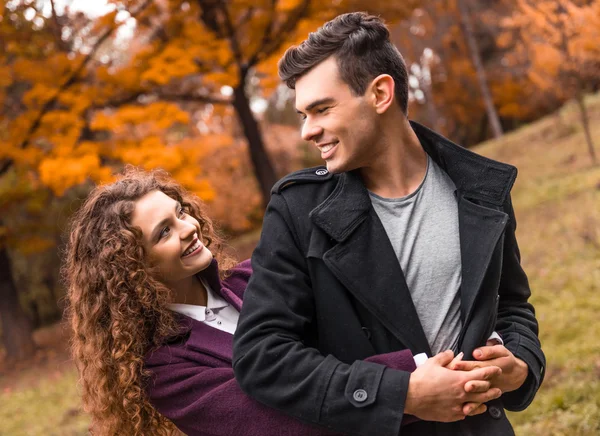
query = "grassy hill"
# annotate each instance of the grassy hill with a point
(557, 204)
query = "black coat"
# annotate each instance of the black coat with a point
(327, 291)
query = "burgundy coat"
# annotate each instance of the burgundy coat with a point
(193, 384)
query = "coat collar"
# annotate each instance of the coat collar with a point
(211, 275)
(363, 258)
(202, 337)
(475, 177)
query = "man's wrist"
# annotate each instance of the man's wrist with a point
(522, 370)
(410, 395)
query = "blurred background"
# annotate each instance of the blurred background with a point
(87, 86)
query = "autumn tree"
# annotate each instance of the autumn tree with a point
(467, 30)
(457, 79)
(78, 101)
(555, 44)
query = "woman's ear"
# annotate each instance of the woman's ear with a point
(382, 92)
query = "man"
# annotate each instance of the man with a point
(404, 241)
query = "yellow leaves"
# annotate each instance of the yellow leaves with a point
(37, 96)
(60, 127)
(5, 76)
(77, 99)
(188, 177)
(218, 79)
(62, 172)
(156, 116)
(50, 71)
(288, 5)
(152, 153)
(173, 62)
(196, 33)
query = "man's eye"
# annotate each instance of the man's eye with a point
(320, 111)
(302, 117)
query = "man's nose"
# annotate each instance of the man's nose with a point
(310, 131)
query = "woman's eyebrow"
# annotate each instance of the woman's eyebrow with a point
(158, 227)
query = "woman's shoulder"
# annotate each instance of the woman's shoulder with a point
(237, 277)
(173, 347)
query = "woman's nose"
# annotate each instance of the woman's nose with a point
(187, 229)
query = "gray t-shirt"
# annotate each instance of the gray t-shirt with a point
(423, 229)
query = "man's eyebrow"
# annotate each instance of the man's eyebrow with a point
(316, 103)
(159, 226)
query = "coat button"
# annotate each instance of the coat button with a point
(495, 412)
(367, 332)
(360, 395)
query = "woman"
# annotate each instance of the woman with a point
(153, 316)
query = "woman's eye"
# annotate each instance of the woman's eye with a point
(181, 211)
(165, 232)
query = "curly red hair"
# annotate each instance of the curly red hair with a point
(117, 310)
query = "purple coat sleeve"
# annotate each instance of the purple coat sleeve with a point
(204, 400)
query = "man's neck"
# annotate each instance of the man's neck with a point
(400, 167)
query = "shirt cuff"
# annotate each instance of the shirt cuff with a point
(420, 359)
(496, 338)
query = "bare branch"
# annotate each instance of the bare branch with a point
(267, 35)
(207, 99)
(279, 38)
(73, 77)
(57, 29)
(231, 35)
(5, 166)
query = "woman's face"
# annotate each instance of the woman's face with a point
(171, 237)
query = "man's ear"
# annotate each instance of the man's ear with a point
(382, 92)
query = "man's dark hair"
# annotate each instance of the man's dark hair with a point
(361, 45)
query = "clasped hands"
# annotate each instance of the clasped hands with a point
(447, 389)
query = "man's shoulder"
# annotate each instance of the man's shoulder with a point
(314, 176)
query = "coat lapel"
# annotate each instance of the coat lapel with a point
(480, 229)
(363, 260)
(211, 275)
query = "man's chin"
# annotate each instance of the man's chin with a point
(337, 167)
(333, 168)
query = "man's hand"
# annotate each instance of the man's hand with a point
(514, 370)
(436, 393)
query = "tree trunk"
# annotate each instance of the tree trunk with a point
(467, 28)
(17, 330)
(586, 127)
(263, 169)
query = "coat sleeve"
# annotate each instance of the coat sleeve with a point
(202, 400)
(272, 363)
(516, 319)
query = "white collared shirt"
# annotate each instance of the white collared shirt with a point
(217, 313)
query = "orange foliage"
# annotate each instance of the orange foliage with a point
(555, 42)
(78, 103)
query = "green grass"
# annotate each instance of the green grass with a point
(51, 408)
(557, 204)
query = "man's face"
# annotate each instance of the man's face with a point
(341, 125)
(172, 237)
